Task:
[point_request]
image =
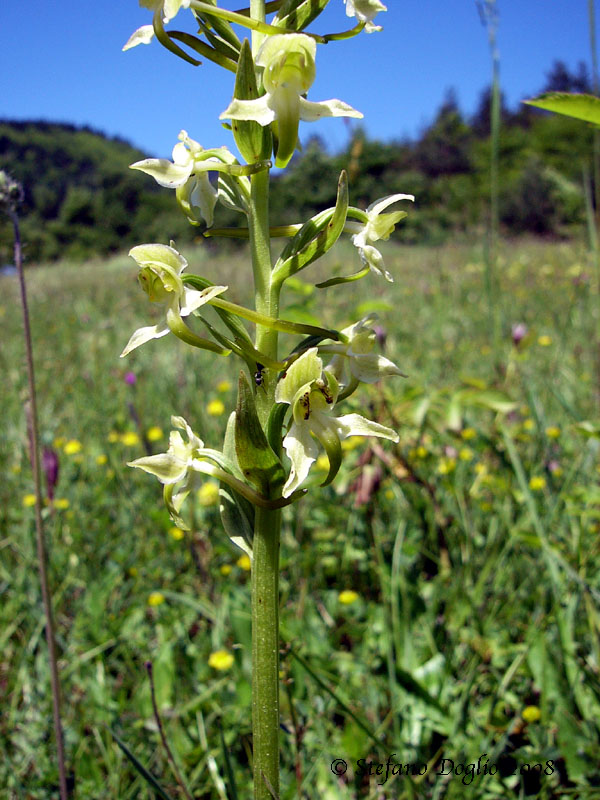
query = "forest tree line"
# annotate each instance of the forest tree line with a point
(82, 200)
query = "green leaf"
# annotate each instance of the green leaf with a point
(585, 107)
(254, 141)
(315, 237)
(237, 514)
(147, 776)
(256, 459)
(487, 398)
(591, 430)
(295, 15)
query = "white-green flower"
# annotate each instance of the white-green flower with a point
(179, 467)
(160, 270)
(188, 175)
(289, 71)
(312, 394)
(365, 11)
(355, 360)
(145, 34)
(374, 226)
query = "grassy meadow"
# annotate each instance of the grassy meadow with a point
(439, 602)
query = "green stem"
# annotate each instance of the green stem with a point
(267, 525)
(265, 653)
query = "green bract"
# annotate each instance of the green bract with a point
(376, 226)
(365, 11)
(160, 270)
(356, 361)
(289, 71)
(312, 394)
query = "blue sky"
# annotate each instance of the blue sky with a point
(65, 64)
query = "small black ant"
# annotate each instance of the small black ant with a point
(258, 375)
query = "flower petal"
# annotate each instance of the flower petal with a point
(304, 370)
(379, 205)
(143, 35)
(193, 299)
(371, 256)
(302, 451)
(257, 110)
(355, 425)
(158, 255)
(371, 367)
(143, 335)
(309, 112)
(164, 172)
(166, 467)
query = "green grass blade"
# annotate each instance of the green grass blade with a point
(147, 776)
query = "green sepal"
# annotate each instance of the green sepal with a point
(275, 426)
(333, 447)
(254, 141)
(295, 15)
(237, 514)
(347, 279)
(163, 38)
(256, 459)
(172, 507)
(315, 237)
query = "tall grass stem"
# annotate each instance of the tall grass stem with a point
(34, 452)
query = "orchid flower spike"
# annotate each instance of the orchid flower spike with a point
(355, 361)
(312, 394)
(145, 34)
(365, 11)
(289, 71)
(375, 226)
(160, 276)
(188, 175)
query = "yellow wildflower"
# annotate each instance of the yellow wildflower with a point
(553, 431)
(465, 454)
(132, 572)
(421, 452)
(544, 340)
(113, 437)
(223, 386)
(101, 459)
(468, 433)
(537, 483)
(176, 533)
(322, 462)
(225, 569)
(130, 439)
(531, 714)
(351, 442)
(154, 433)
(15, 469)
(221, 660)
(244, 562)
(528, 424)
(61, 503)
(29, 500)
(215, 408)
(347, 597)
(156, 598)
(72, 447)
(446, 466)
(59, 442)
(208, 494)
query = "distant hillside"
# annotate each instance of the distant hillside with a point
(80, 197)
